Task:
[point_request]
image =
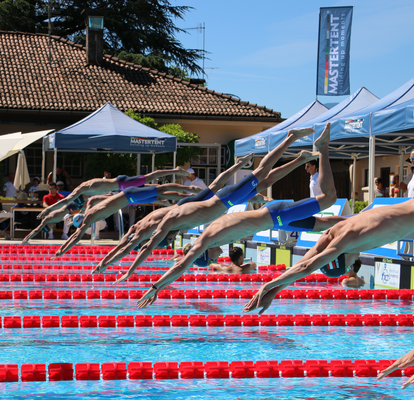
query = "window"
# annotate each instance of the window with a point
(366, 177)
(74, 167)
(33, 155)
(205, 165)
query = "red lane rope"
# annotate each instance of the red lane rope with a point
(336, 294)
(122, 321)
(197, 370)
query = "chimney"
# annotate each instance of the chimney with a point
(94, 20)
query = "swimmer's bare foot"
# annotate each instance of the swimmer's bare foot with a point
(322, 141)
(180, 171)
(245, 159)
(306, 155)
(299, 133)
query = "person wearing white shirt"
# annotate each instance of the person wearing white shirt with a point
(312, 168)
(407, 185)
(194, 181)
(8, 189)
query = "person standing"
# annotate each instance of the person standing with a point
(380, 190)
(407, 185)
(8, 189)
(194, 181)
(52, 198)
(312, 168)
(61, 175)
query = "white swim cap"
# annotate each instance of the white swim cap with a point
(77, 220)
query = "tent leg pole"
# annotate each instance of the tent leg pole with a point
(371, 168)
(174, 163)
(93, 234)
(354, 156)
(235, 175)
(138, 164)
(121, 225)
(54, 164)
(402, 154)
(218, 160)
(43, 166)
(153, 163)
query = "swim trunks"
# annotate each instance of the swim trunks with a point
(72, 206)
(336, 267)
(141, 195)
(203, 261)
(296, 216)
(125, 181)
(203, 195)
(239, 193)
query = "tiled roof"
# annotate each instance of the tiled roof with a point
(28, 81)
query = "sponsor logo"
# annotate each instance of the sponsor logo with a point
(140, 141)
(259, 143)
(254, 183)
(279, 220)
(353, 124)
(230, 203)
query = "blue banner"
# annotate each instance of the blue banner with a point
(334, 46)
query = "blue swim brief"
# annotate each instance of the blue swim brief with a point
(203, 195)
(141, 195)
(242, 191)
(296, 216)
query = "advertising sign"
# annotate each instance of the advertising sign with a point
(387, 275)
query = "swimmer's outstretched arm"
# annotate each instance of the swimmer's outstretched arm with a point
(55, 217)
(172, 274)
(146, 249)
(72, 196)
(259, 198)
(405, 361)
(179, 188)
(71, 241)
(304, 267)
(103, 264)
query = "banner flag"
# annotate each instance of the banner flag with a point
(334, 46)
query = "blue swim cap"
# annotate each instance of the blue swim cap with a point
(335, 268)
(78, 219)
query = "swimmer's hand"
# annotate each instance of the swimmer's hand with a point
(43, 214)
(148, 298)
(263, 298)
(405, 361)
(99, 269)
(122, 278)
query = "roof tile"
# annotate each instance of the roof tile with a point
(29, 81)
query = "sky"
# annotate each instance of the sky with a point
(265, 51)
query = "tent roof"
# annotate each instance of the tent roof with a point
(361, 98)
(259, 143)
(109, 129)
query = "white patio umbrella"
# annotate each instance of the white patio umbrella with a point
(7, 142)
(22, 177)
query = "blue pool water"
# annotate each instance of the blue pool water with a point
(77, 345)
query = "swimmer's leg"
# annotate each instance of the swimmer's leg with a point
(326, 181)
(273, 157)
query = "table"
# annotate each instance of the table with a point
(13, 210)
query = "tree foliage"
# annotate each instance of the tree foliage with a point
(143, 30)
(126, 164)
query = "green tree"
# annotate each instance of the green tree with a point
(143, 30)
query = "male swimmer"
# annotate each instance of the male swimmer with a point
(131, 195)
(103, 186)
(193, 214)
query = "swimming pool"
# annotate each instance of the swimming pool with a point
(169, 343)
